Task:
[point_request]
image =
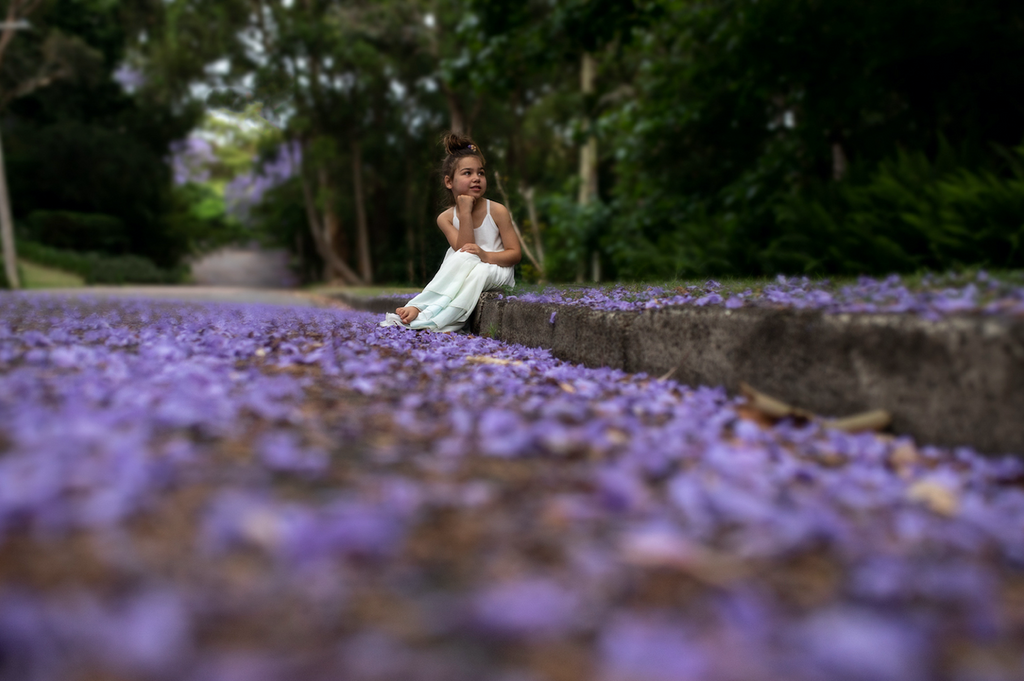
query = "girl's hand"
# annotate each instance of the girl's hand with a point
(475, 250)
(464, 201)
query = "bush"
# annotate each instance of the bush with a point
(573, 234)
(97, 268)
(910, 214)
(77, 231)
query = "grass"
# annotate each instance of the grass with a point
(40, 276)
(363, 291)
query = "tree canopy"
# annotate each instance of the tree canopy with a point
(726, 136)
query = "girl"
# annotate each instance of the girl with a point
(484, 246)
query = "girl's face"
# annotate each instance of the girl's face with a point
(469, 178)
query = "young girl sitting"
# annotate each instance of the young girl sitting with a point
(484, 247)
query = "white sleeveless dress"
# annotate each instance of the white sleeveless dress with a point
(450, 297)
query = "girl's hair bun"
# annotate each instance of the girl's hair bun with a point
(457, 144)
(457, 147)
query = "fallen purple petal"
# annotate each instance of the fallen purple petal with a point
(229, 491)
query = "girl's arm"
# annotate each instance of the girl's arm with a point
(458, 237)
(512, 253)
(464, 204)
(447, 227)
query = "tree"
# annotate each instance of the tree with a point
(61, 57)
(348, 72)
(96, 138)
(296, 59)
(544, 50)
(667, 136)
(745, 106)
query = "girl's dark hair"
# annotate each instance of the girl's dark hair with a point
(457, 147)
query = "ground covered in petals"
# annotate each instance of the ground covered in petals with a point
(216, 492)
(931, 296)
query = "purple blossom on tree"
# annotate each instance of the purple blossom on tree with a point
(191, 159)
(247, 190)
(129, 78)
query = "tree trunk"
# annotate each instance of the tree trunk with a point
(362, 229)
(334, 265)
(456, 112)
(334, 235)
(7, 229)
(839, 162)
(588, 160)
(538, 263)
(473, 114)
(531, 213)
(588, 152)
(16, 10)
(455, 109)
(410, 222)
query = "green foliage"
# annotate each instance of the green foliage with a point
(697, 244)
(735, 136)
(576, 230)
(197, 218)
(724, 158)
(77, 231)
(98, 268)
(76, 142)
(909, 214)
(94, 167)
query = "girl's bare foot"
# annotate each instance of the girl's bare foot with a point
(407, 314)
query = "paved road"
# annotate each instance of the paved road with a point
(244, 266)
(232, 294)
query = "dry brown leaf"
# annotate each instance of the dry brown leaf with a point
(762, 408)
(748, 413)
(617, 436)
(868, 421)
(486, 359)
(660, 550)
(770, 406)
(830, 459)
(937, 498)
(904, 457)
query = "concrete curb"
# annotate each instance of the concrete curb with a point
(959, 381)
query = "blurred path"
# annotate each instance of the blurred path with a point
(246, 266)
(227, 294)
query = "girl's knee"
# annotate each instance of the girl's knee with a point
(482, 270)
